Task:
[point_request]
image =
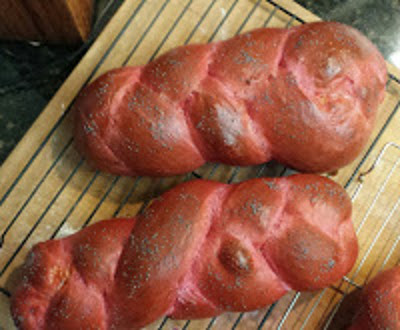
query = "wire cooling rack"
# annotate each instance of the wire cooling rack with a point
(54, 193)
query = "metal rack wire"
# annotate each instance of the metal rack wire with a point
(275, 9)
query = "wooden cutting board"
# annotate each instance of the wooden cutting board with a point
(47, 190)
(67, 21)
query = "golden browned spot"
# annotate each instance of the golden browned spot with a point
(58, 275)
(333, 173)
(235, 258)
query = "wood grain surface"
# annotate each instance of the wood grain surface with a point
(67, 21)
(47, 190)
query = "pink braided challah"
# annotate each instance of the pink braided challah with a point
(379, 303)
(306, 96)
(199, 250)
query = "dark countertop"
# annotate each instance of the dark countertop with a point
(30, 74)
(379, 20)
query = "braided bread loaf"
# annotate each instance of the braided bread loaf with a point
(200, 249)
(379, 304)
(305, 96)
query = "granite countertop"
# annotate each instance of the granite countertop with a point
(31, 73)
